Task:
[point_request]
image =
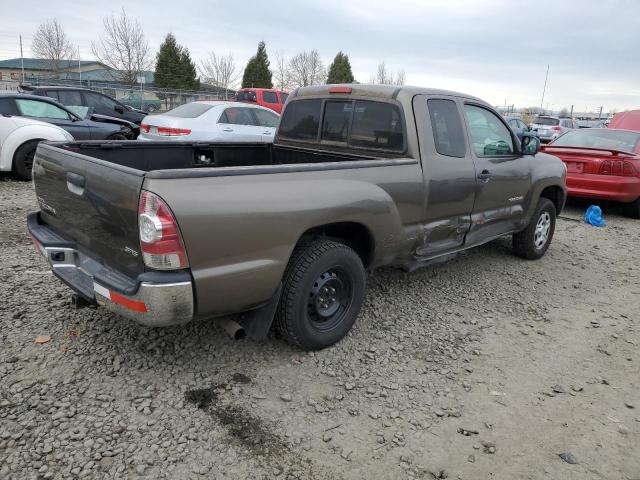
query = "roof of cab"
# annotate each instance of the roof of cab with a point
(381, 91)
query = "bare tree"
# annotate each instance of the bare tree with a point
(52, 44)
(123, 47)
(220, 70)
(306, 68)
(280, 70)
(386, 77)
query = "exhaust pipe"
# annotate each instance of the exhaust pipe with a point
(233, 328)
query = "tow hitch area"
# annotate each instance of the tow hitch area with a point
(78, 302)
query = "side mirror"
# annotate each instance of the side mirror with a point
(119, 108)
(530, 144)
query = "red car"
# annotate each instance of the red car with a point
(629, 120)
(266, 97)
(602, 163)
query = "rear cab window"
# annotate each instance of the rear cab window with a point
(356, 124)
(283, 97)
(447, 128)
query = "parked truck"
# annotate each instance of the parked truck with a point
(358, 177)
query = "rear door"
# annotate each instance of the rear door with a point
(92, 203)
(268, 122)
(503, 176)
(238, 124)
(449, 174)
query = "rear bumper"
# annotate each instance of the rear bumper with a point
(605, 187)
(154, 299)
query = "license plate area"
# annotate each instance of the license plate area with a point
(574, 167)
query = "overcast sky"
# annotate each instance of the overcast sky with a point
(495, 49)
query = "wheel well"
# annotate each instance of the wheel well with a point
(15, 152)
(556, 195)
(353, 234)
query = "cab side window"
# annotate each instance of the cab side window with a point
(447, 128)
(269, 97)
(490, 137)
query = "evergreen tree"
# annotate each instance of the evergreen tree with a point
(257, 73)
(340, 70)
(174, 67)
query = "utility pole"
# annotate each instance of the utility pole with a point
(79, 69)
(600, 114)
(545, 86)
(21, 59)
(571, 115)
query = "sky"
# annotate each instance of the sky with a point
(497, 50)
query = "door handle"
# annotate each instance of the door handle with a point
(484, 175)
(75, 183)
(228, 129)
(267, 133)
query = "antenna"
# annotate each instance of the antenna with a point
(545, 86)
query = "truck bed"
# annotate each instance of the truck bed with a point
(148, 156)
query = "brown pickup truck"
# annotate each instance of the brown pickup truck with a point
(358, 177)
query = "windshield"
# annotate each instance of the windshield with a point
(600, 138)
(547, 121)
(189, 110)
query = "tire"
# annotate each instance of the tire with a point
(529, 243)
(322, 294)
(632, 210)
(23, 159)
(117, 136)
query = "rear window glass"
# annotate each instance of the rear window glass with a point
(70, 97)
(447, 128)
(246, 96)
(335, 125)
(553, 122)
(301, 120)
(284, 96)
(376, 125)
(189, 110)
(599, 138)
(237, 116)
(269, 97)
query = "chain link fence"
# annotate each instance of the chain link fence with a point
(149, 99)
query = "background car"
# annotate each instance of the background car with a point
(549, 128)
(19, 138)
(137, 101)
(100, 103)
(518, 126)
(266, 97)
(212, 122)
(602, 163)
(89, 127)
(629, 120)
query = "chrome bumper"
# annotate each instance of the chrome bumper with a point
(154, 304)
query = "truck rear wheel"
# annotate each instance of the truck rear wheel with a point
(532, 242)
(322, 294)
(23, 159)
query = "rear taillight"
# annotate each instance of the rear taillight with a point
(618, 168)
(160, 239)
(557, 129)
(173, 132)
(144, 128)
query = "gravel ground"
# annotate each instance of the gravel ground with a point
(487, 366)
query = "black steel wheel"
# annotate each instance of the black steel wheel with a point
(322, 294)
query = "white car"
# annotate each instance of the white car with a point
(212, 122)
(19, 138)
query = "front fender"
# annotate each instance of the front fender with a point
(27, 133)
(546, 171)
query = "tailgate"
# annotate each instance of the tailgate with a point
(91, 202)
